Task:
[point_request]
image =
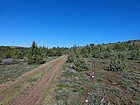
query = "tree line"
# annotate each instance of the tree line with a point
(33, 54)
(117, 53)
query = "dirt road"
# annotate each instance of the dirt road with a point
(31, 87)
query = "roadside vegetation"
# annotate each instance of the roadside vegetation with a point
(117, 75)
(14, 61)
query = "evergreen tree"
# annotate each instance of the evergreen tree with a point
(35, 55)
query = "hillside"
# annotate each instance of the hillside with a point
(116, 75)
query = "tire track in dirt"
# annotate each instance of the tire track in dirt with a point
(8, 89)
(36, 93)
(4, 87)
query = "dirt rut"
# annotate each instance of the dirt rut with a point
(34, 94)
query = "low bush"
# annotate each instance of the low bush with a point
(135, 55)
(81, 65)
(76, 102)
(117, 63)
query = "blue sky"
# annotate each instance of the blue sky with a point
(68, 22)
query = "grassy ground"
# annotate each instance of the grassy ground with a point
(117, 88)
(11, 72)
(21, 89)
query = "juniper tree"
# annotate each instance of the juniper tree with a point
(117, 63)
(35, 55)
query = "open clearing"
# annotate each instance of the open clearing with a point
(32, 87)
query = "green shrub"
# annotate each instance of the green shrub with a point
(62, 93)
(76, 102)
(80, 65)
(135, 55)
(106, 55)
(118, 63)
(71, 58)
(116, 91)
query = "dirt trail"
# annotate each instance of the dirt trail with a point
(36, 93)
